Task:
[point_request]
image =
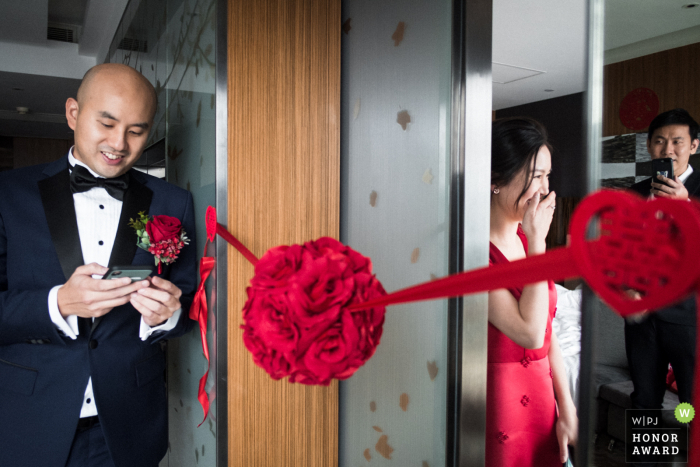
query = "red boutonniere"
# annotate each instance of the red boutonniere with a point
(162, 236)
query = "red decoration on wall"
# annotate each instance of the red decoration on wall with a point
(297, 321)
(211, 224)
(638, 108)
(200, 312)
(315, 311)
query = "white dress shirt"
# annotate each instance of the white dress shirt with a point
(97, 215)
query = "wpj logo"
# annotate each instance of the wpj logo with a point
(684, 412)
(657, 435)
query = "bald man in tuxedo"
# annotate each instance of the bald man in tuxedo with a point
(81, 361)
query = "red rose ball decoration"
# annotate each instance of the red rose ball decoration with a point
(296, 319)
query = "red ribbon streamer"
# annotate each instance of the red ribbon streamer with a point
(556, 265)
(199, 312)
(221, 230)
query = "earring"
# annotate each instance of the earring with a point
(496, 191)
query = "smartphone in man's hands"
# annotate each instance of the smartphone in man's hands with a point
(135, 273)
(663, 167)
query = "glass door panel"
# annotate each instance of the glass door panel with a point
(396, 101)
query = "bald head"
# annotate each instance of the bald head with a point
(115, 74)
(111, 118)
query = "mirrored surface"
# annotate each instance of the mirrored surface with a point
(172, 43)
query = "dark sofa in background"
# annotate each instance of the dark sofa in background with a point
(612, 378)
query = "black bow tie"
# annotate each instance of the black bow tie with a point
(82, 180)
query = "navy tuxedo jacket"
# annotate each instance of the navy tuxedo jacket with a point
(43, 374)
(682, 312)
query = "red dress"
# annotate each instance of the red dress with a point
(521, 409)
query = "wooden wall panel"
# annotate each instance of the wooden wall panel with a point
(674, 75)
(284, 171)
(32, 151)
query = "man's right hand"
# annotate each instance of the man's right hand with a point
(671, 188)
(91, 298)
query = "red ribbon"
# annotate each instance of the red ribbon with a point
(199, 311)
(221, 230)
(556, 265)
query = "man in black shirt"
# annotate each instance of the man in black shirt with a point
(668, 335)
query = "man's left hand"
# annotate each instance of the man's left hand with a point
(671, 188)
(158, 302)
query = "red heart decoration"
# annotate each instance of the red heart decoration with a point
(647, 246)
(210, 220)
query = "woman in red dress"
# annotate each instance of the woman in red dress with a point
(531, 417)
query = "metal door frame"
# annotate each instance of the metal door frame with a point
(220, 286)
(471, 124)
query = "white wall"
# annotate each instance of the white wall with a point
(25, 49)
(58, 59)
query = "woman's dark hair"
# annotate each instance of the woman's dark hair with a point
(515, 143)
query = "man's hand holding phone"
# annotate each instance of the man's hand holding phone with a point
(671, 188)
(86, 297)
(158, 302)
(664, 183)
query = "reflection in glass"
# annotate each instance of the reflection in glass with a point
(171, 42)
(526, 370)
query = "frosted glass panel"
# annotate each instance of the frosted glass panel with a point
(139, 43)
(172, 42)
(396, 83)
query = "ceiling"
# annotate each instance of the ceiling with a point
(41, 74)
(549, 40)
(543, 42)
(538, 50)
(650, 19)
(45, 97)
(67, 11)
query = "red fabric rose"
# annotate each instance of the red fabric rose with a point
(333, 354)
(271, 360)
(370, 322)
(161, 228)
(276, 267)
(320, 285)
(268, 314)
(296, 321)
(332, 248)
